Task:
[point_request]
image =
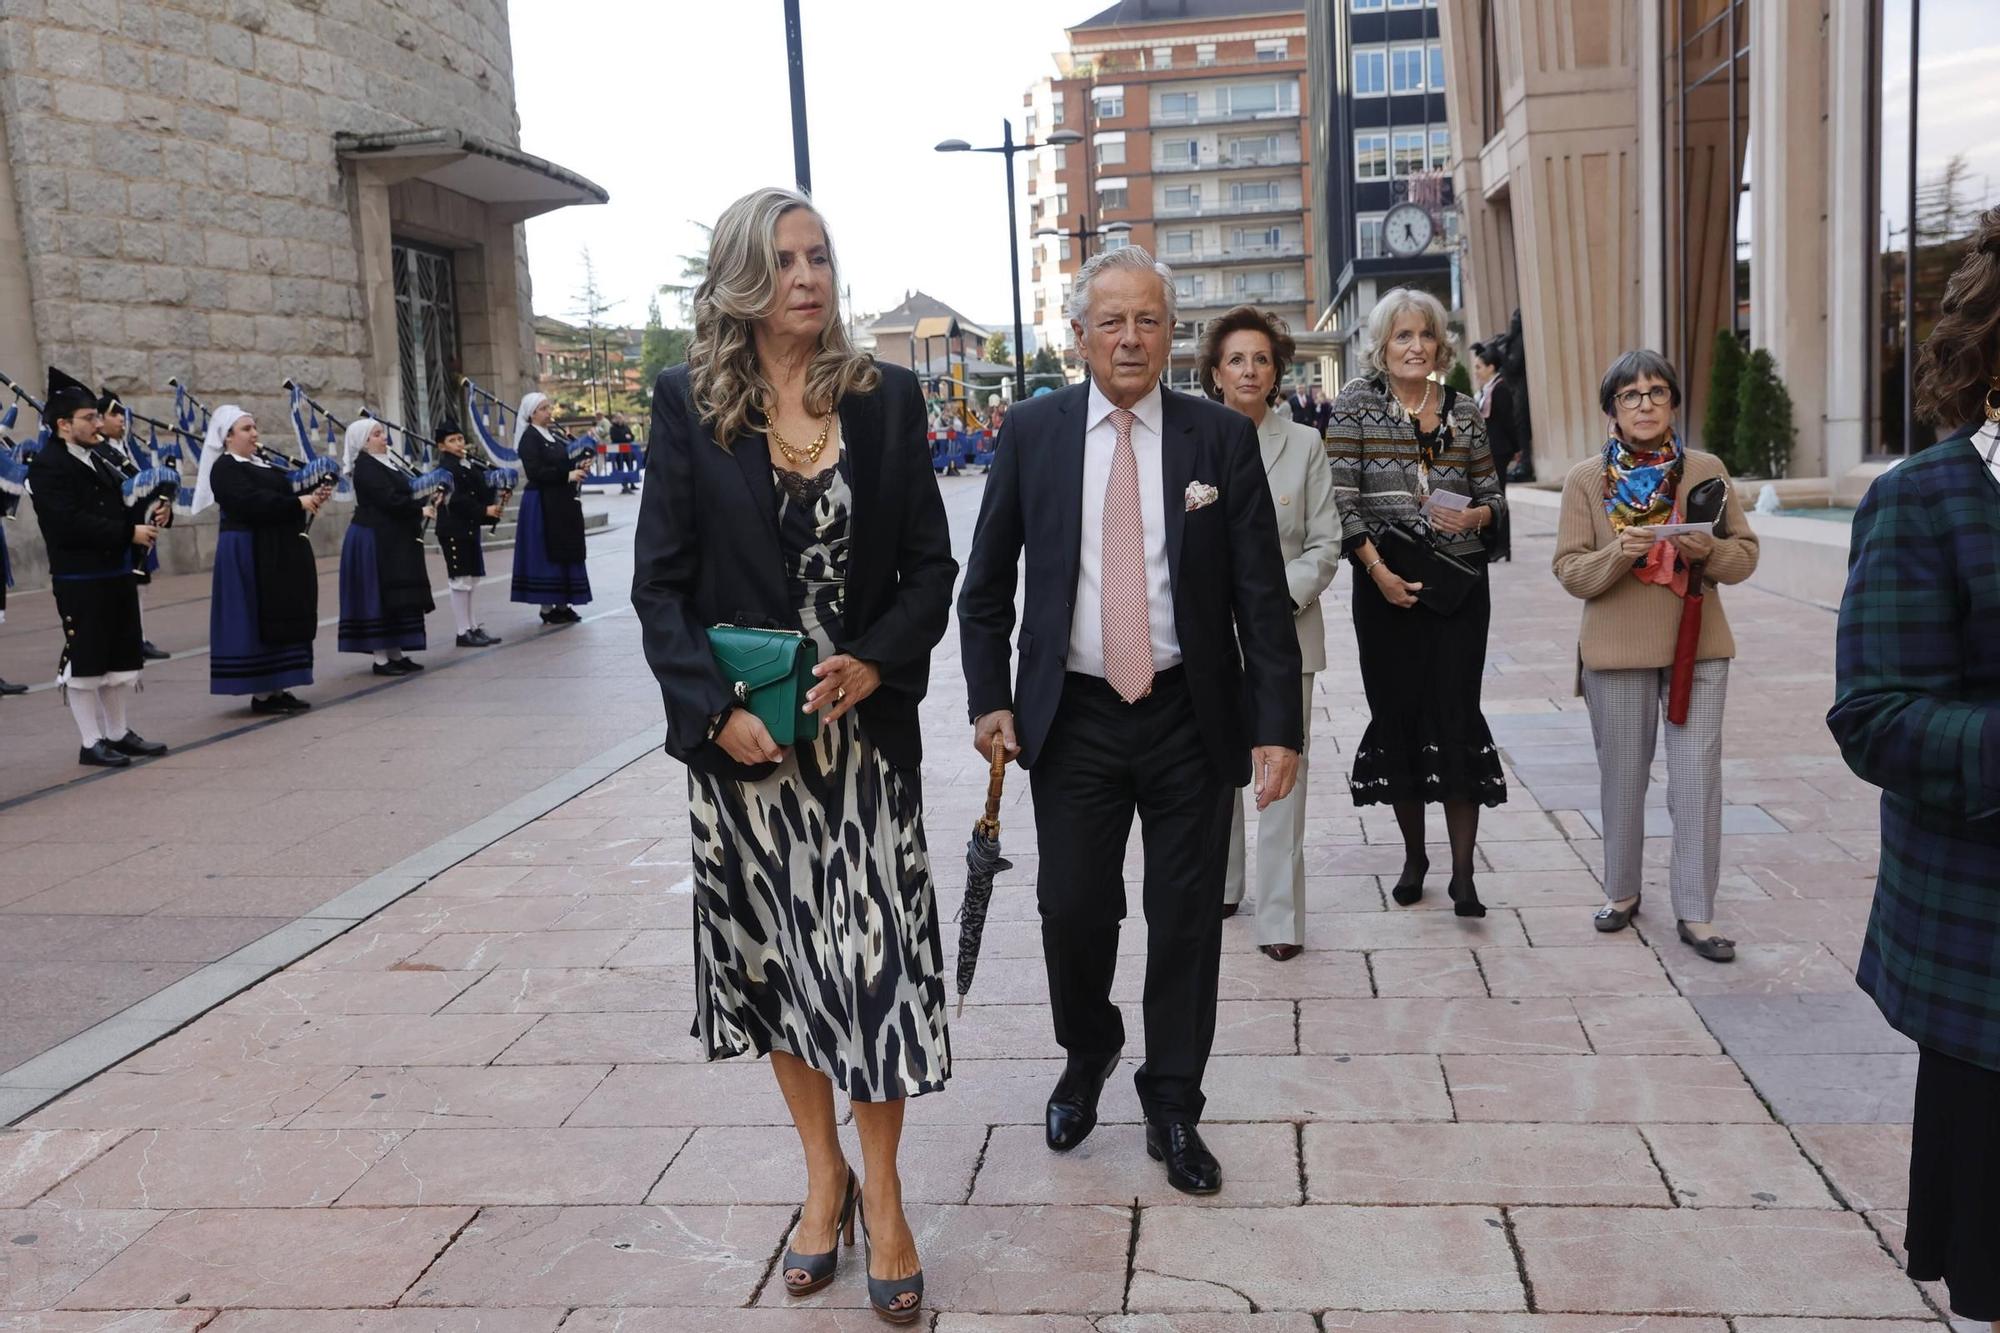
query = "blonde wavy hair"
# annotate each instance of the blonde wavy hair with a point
(1397, 302)
(740, 288)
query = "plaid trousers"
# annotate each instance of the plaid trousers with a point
(1625, 709)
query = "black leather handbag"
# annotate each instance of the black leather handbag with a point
(1412, 557)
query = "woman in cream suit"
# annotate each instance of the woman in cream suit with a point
(1243, 356)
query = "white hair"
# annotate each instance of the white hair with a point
(1397, 302)
(1128, 256)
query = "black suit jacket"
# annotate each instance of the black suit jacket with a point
(81, 508)
(1227, 570)
(707, 553)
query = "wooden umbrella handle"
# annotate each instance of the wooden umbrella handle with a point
(990, 822)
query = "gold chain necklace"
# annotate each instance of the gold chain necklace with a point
(810, 454)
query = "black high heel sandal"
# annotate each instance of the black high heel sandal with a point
(1465, 897)
(820, 1268)
(1407, 890)
(884, 1292)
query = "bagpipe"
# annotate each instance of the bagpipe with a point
(25, 451)
(428, 482)
(321, 473)
(308, 420)
(490, 420)
(13, 467)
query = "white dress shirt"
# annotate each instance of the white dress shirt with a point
(1100, 441)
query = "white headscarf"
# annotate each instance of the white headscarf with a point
(355, 442)
(521, 422)
(220, 423)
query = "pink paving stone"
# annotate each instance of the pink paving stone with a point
(1472, 1163)
(1259, 1165)
(1735, 1261)
(1404, 928)
(1759, 969)
(629, 1255)
(653, 1038)
(231, 1168)
(589, 990)
(143, 1095)
(519, 1166)
(1613, 1089)
(1433, 1027)
(1736, 1166)
(46, 1251)
(1426, 974)
(1572, 926)
(224, 1040)
(1325, 1087)
(1309, 1257)
(1838, 1326)
(1277, 1322)
(1008, 1260)
(757, 1164)
(631, 1320)
(736, 1092)
(123, 1321)
(1347, 1321)
(325, 994)
(1591, 969)
(1643, 1025)
(1868, 1164)
(33, 1160)
(309, 1258)
(444, 1097)
(385, 1321)
(1023, 1031)
(366, 948)
(654, 948)
(1323, 971)
(539, 948)
(1015, 1092)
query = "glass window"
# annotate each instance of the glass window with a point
(1189, 287)
(1030, 125)
(1180, 243)
(1065, 247)
(1163, 57)
(1117, 240)
(1406, 69)
(1178, 106)
(1406, 4)
(1275, 49)
(1252, 99)
(1111, 154)
(1365, 6)
(1110, 199)
(1371, 157)
(1436, 53)
(1371, 65)
(1109, 108)
(1368, 236)
(1440, 148)
(1253, 192)
(1204, 53)
(1056, 112)
(1179, 152)
(1407, 157)
(1182, 198)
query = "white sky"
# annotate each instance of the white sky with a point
(677, 107)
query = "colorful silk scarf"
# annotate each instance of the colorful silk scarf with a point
(1642, 488)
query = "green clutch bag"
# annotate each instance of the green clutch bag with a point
(769, 672)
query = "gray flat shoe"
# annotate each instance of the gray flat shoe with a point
(1609, 920)
(1716, 948)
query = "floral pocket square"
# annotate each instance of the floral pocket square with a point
(1200, 495)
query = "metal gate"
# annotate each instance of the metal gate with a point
(426, 333)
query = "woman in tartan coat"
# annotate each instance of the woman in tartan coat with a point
(1917, 713)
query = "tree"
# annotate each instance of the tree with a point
(591, 308)
(1459, 378)
(1764, 430)
(997, 350)
(1725, 376)
(1045, 367)
(659, 348)
(694, 268)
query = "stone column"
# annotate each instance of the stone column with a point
(1851, 165)
(20, 352)
(1789, 212)
(382, 371)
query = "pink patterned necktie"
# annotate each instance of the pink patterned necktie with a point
(1128, 628)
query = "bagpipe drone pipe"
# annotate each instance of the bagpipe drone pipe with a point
(322, 455)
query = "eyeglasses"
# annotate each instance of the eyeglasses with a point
(1658, 396)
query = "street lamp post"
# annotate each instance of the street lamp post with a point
(1007, 148)
(1083, 233)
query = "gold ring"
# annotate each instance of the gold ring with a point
(840, 695)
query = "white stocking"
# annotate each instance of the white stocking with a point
(461, 609)
(111, 705)
(381, 658)
(89, 724)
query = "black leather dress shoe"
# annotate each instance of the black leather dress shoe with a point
(1072, 1112)
(151, 653)
(1191, 1167)
(9, 687)
(485, 640)
(138, 746)
(101, 755)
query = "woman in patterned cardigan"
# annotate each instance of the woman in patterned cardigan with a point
(1917, 713)
(1396, 438)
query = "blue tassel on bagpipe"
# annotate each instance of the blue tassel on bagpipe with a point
(13, 470)
(490, 418)
(503, 479)
(148, 486)
(424, 485)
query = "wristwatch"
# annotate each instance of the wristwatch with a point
(716, 723)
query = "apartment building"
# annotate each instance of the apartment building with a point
(1192, 116)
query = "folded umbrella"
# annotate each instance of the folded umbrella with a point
(982, 862)
(1703, 505)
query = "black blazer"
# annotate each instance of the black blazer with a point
(464, 510)
(706, 553)
(81, 508)
(1226, 566)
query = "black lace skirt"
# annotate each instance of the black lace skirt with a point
(1426, 738)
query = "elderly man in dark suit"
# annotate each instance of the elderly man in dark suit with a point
(1150, 550)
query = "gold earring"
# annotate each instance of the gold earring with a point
(1993, 399)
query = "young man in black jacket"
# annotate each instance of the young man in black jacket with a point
(91, 539)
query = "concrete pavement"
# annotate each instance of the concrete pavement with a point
(479, 1108)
